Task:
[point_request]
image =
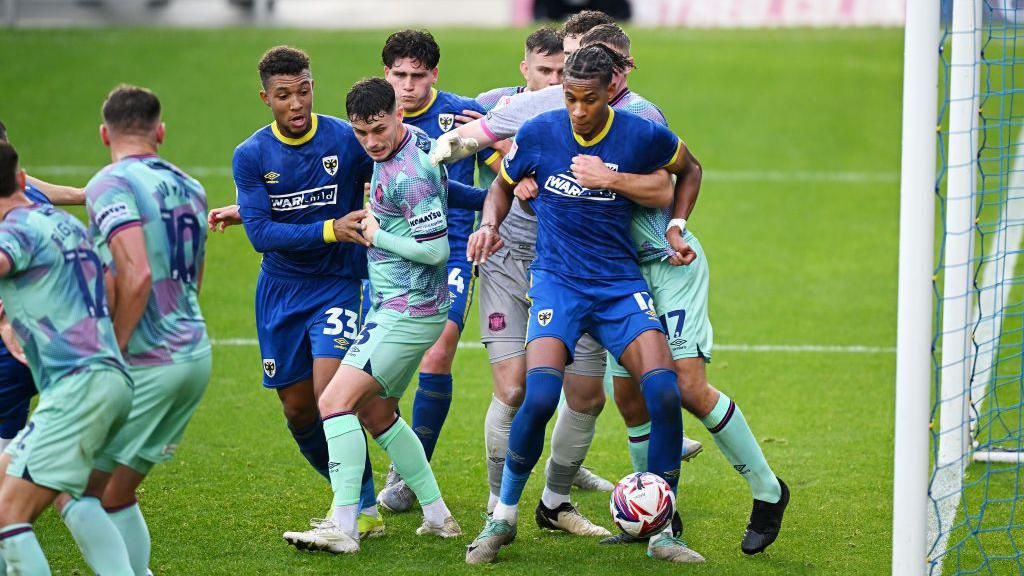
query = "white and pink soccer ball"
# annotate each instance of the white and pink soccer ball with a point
(642, 504)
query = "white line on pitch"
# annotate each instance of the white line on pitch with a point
(851, 177)
(821, 349)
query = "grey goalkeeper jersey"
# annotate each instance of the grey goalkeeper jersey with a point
(519, 230)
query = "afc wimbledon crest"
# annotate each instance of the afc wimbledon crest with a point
(446, 121)
(545, 316)
(269, 367)
(330, 164)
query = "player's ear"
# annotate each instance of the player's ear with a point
(523, 67)
(104, 135)
(433, 75)
(19, 179)
(264, 97)
(161, 133)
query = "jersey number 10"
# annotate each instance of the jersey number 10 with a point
(179, 229)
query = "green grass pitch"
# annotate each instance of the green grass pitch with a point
(798, 132)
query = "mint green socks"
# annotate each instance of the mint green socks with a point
(406, 452)
(97, 537)
(639, 439)
(733, 436)
(132, 526)
(21, 551)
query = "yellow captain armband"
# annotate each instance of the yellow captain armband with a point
(329, 237)
(496, 157)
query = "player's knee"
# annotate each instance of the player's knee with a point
(300, 414)
(661, 396)
(538, 408)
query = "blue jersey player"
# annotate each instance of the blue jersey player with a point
(586, 276)
(300, 194)
(410, 65)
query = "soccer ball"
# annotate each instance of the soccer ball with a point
(642, 504)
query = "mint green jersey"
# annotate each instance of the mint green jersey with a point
(54, 294)
(409, 197)
(649, 224)
(170, 207)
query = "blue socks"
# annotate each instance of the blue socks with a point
(661, 395)
(430, 409)
(313, 446)
(526, 439)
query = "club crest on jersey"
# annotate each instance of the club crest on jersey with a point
(496, 322)
(330, 164)
(446, 121)
(269, 367)
(378, 194)
(544, 316)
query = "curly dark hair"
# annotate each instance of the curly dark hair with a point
(284, 61)
(369, 98)
(595, 62)
(416, 44)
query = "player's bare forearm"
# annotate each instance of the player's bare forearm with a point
(497, 204)
(689, 175)
(652, 190)
(58, 194)
(132, 283)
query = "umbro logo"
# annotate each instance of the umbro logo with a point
(341, 343)
(271, 177)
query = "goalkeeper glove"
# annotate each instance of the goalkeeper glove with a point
(451, 147)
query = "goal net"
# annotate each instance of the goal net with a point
(976, 487)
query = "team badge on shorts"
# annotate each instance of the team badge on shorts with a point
(269, 367)
(446, 121)
(496, 322)
(544, 316)
(330, 164)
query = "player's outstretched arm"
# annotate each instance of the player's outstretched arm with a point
(653, 190)
(58, 194)
(219, 219)
(465, 196)
(132, 283)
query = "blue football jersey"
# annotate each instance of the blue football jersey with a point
(287, 189)
(36, 196)
(582, 232)
(436, 118)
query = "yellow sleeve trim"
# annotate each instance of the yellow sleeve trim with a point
(329, 237)
(493, 158)
(679, 148)
(506, 177)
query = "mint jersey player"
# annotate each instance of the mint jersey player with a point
(407, 228)
(586, 277)
(300, 193)
(51, 283)
(16, 386)
(146, 218)
(410, 60)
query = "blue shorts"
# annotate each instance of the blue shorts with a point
(460, 290)
(300, 319)
(16, 391)
(614, 312)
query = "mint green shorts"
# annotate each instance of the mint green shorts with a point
(76, 418)
(391, 345)
(680, 296)
(165, 399)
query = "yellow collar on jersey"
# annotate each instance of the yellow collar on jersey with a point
(296, 141)
(600, 135)
(433, 96)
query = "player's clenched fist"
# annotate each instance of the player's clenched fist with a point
(483, 243)
(350, 227)
(526, 189)
(591, 172)
(220, 218)
(684, 255)
(369, 227)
